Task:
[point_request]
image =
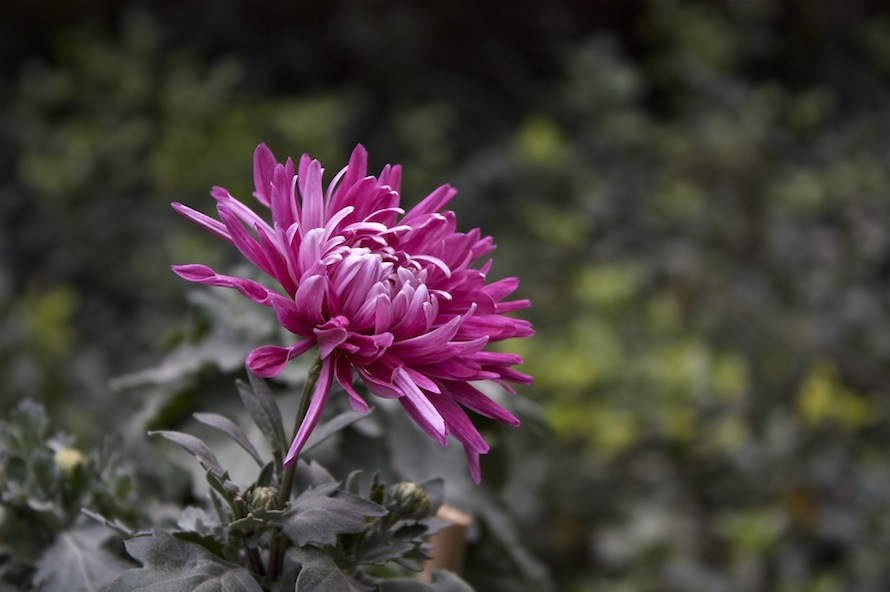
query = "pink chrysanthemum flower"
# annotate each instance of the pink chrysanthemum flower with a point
(387, 295)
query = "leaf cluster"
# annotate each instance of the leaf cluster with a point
(45, 540)
(326, 536)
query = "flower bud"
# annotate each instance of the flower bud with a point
(263, 498)
(69, 459)
(409, 501)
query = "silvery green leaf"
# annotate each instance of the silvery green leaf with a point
(264, 410)
(228, 427)
(317, 518)
(329, 428)
(173, 565)
(319, 573)
(196, 448)
(76, 561)
(310, 475)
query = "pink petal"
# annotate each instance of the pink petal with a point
(245, 243)
(285, 209)
(420, 409)
(309, 299)
(343, 372)
(263, 167)
(313, 197)
(313, 413)
(473, 462)
(203, 220)
(476, 401)
(432, 203)
(290, 318)
(331, 335)
(204, 275)
(356, 170)
(270, 360)
(428, 342)
(459, 425)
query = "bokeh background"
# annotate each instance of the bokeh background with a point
(694, 194)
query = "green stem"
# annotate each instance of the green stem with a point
(256, 562)
(287, 480)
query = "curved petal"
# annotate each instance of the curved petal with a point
(202, 274)
(263, 167)
(331, 335)
(313, 197)
(270, 360)
(343, 371)
(203, 220)
(313, 413)
(419, 407)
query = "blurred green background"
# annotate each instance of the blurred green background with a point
(694, 195)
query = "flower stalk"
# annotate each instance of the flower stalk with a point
(276, 556)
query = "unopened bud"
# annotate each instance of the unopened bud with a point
(263, 498)
(69, 459)
(409, 501)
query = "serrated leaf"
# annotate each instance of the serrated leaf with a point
(316, 518)
(264, 410)
(174, 565)
(320, 573)
(329, 428)
(77, 562)
(196, 447)
(228, 427)
(385, 552)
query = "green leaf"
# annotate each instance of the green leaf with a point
(76, 561)
(173, 565)
(320, 573)
(196, 448)
(264, 410)
(227, 426)
(311, 474)
(352, 482)
(316, 518)
(26, 429)
(329, 428)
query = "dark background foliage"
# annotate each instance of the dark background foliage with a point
(694, 195)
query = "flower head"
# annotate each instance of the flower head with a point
(389, 296)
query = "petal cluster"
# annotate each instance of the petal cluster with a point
(391, 297)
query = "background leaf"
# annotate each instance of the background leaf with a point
(77, 561)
